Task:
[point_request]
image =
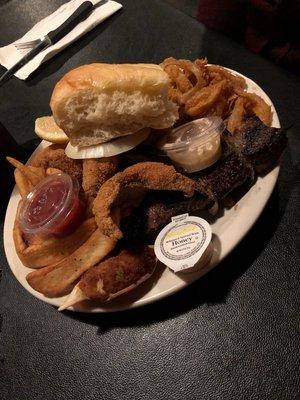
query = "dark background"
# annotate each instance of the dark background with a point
(232, 335)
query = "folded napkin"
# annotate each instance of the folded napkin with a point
(9, 55)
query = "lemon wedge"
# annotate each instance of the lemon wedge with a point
(47, 129)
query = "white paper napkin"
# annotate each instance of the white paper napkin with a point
(9, 55)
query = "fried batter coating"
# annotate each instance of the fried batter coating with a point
(237, 115)
(218, 73)
(202, 90)
(96, 172)
(205, 99)
(186, 78)
(124, 191)
(257, 106)
(119, 274)
(54, 157)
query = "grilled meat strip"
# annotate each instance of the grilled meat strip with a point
(260, 145)
(156, 211)
(252, 150)
(229, 173)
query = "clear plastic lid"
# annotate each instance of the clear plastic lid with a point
(194, 133)
(48, 204)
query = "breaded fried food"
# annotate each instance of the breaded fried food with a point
(202, 90)
(206, 99)
(96, 172)
(186, 78)
(217, 74)
(255, 105)
(56, 280)
(114, 276)
(237, 115)
(118, 274)
(125, 190)
(54, 156)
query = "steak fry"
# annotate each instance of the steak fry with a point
(50, 249)
(124, 191)
(33, 175)
(56, 280)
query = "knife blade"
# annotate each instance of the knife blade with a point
(51, 38)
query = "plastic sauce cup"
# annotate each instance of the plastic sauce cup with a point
(196, 145)
(53, 207)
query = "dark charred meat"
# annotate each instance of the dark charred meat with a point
(156, 211)
(223, 177)
(260, 145)
(253, 149)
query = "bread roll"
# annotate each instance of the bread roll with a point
(98, 102)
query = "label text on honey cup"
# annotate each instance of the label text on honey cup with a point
(182, 242)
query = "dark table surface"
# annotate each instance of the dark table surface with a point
(232, 335)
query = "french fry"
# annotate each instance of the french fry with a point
(33, 174)
(52, 249)
(56, 280)
(23, 185)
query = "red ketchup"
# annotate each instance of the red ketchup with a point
(53, 207)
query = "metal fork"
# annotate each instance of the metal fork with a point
(24, 47)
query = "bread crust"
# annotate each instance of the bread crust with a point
(150, 78)
(97, 102)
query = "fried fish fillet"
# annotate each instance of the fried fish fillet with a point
(125, 190)
(96, 172)
(54, 157)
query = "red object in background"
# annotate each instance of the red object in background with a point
(271, 28)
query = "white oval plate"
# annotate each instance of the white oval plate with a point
(228, 231)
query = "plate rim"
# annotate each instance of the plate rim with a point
(273, 176)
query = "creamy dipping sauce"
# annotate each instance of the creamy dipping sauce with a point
(196, 145)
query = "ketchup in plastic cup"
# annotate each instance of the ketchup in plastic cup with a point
(53, 207)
